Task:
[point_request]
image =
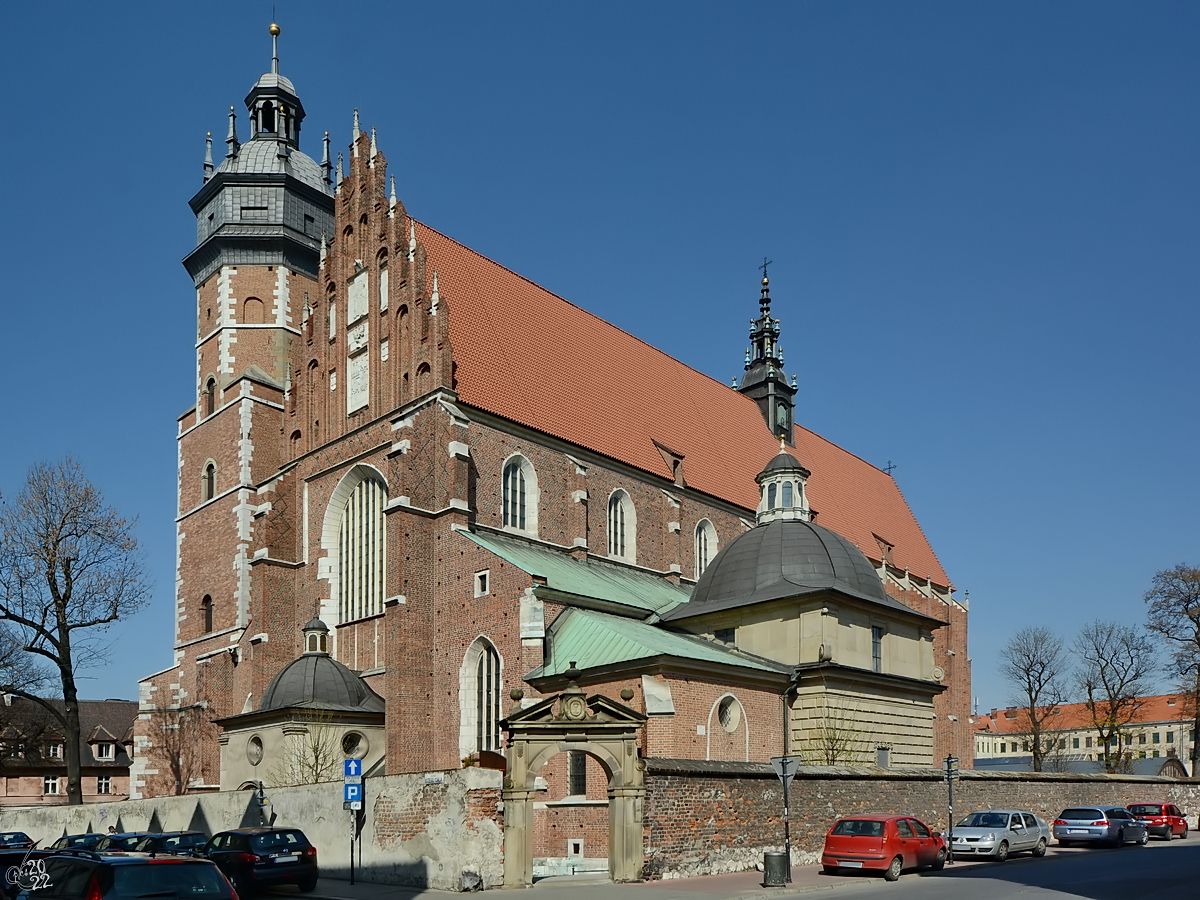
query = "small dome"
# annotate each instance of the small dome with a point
(317, 681)
(262, 156)
(783, 462)
(779, 559)
(275, 82)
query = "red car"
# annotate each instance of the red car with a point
(1163, 819)
(889, 844)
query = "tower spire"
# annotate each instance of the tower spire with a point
(392, 198)
(231, 139)
(208, 161)
(274, 49)
(765, 381)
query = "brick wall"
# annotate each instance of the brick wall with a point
(706, 818)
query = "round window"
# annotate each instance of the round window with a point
(354, 745)
(729, 713)
(254, 750)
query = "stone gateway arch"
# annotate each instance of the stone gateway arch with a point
(597, 726)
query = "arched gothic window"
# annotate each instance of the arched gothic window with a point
(706, 545)
(210, 397)
(208, 484)
(360, 551)
(520, 495)
(479, 696)
(206, 607)
(622, 526)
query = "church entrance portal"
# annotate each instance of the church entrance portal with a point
(603, 729)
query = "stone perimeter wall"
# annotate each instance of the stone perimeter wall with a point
(419, 830)
(701, 818)
(705, 818)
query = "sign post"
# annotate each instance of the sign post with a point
(951, 777)
(785, 767)
(352, 799)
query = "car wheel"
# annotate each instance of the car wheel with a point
(1040, 849)
(307, 886)
(829, 870)
(1145, 838)
(1183, 837)
(1119, 840)
(940, 862)
(1002, 851)
(239, 885)
(894, 870)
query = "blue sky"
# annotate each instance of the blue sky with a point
(982, 217)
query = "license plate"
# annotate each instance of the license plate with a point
(1077, 831)
(850, 864)
(291, 858)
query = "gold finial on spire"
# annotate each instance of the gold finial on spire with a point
(274, 30)
(274, 48)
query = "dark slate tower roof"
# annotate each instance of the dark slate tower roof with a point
(765, 381)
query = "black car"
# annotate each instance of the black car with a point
(78, 841)
(88, 875)
(180, 843)
(15, 840)
(254, 858)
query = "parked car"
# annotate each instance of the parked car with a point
(254, 858)
(998, 833)
(78, 841)
(181, 843)
(11, 862)
(889, 844)
(123, 841)
(15, 840)
(88, 875)
(1113, 825)
(1162, 819)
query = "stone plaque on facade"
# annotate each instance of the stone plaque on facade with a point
(358, 297)
(357, 379)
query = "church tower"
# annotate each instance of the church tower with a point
(261, 217)
(765, 381)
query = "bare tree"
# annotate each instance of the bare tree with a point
(834, 737)
(1036, 665)
(1174, 613)
(1115, 662)
(68, 563)
(180, 733)
(312, 750)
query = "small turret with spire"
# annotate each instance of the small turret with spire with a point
(765, 381)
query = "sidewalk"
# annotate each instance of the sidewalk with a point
(735, 886)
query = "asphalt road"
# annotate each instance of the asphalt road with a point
(1128, 873)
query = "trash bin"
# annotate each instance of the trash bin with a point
(774, 868)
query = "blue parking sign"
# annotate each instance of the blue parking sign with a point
(352, 792)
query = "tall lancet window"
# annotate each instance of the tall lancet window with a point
(520, 495)
(622, 526)
(361, 550)
(487, 700)
(706, 545)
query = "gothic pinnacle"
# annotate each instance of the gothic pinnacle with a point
(392, 198)
(326, 168)
(434, 299)
(208, 162)
(412, 240)
(374, 148)
(354, 134)
(231, 140)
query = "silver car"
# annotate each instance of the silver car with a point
(997, 833)
(1112, 825)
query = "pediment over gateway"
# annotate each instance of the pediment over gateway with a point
(574, 709)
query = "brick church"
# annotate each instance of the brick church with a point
(385, 525)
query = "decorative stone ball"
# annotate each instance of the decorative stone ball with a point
(516, 693)
(626, 694)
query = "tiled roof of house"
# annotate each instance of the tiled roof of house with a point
(99, 720)
(1074, 716)
(617, 395)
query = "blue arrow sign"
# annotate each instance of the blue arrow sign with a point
(352, 767)
(352, 792)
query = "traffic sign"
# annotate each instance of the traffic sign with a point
(352, 768)
(785, 768)
(352, 804)
(352, 792)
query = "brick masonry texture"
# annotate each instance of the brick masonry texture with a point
(707, 818)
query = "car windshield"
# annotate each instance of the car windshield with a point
(1147, 809)
(984, 820)
(1080, 814)
(14, 836)
(76, 840)
(861, 827)
(278, 840)
(160, 878)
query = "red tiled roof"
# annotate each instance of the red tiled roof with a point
(616, 395)
(1072, 716)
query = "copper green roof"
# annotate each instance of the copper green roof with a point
(592, 639)
(591, 579)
